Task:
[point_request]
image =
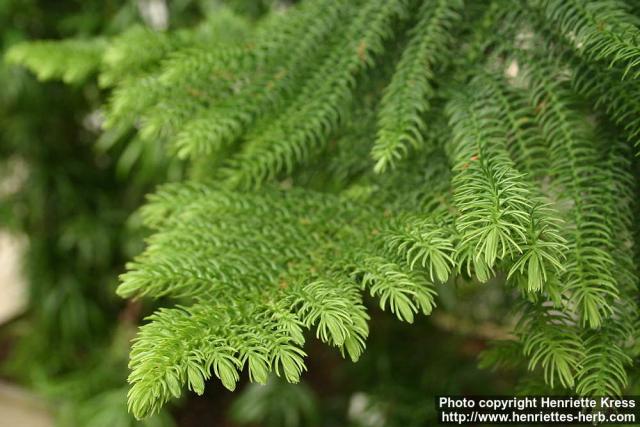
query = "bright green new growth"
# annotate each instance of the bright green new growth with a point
(261, 268)
(382, 148)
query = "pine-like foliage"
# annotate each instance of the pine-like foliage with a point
(382, 148)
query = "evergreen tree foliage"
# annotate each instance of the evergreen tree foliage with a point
(67, 198)
(389, 149)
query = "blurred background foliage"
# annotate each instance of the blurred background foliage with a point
(73, 190)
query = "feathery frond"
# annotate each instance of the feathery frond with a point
(405, 99)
